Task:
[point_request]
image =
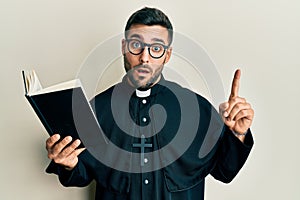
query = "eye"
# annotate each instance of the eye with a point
(135, 44)
(157, 47)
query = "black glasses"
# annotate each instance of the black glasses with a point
(136, 47)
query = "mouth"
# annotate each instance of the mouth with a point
(142, 71)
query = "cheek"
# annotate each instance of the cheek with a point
(131, 59)
(158, 68)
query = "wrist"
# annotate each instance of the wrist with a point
(240, 136)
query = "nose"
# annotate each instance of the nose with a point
(145, 56)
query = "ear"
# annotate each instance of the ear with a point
(123, 46)
(168, 54)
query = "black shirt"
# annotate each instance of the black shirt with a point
(184, 140)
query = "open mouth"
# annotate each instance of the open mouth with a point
(143, 71)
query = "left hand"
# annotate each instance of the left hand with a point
(237, 113)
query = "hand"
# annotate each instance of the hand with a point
(237, 113)
(62, 153)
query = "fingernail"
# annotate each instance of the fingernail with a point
(77, 142)
(56, 136)
(68, 138)
(225, 114)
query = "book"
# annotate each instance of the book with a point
(62, 108)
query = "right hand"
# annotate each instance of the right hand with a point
(62, 153)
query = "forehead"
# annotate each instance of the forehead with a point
(148, 33)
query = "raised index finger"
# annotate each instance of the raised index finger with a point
(235, 84)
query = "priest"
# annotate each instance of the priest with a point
(163, 139)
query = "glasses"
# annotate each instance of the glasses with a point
(136, 47)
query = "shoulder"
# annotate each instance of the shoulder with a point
(187, 93)
(106, 94)
(103, 98)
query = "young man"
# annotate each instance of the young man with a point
(178, 135)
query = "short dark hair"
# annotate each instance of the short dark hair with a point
(150, 16)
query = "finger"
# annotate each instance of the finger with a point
(70, 160)
(235, 84)
(232, 102)
(79, 151)
(73, 157)
(57, 148)
(223, 107)
(237, 108)
(70, 149)
(51, 141)
(245, 114)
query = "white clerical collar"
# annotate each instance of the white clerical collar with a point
(142, 94)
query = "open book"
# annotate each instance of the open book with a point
(62, 108)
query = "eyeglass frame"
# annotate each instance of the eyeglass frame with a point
(165, 47)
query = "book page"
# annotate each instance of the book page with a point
(32, 82)
(58, 87)
(34, 86)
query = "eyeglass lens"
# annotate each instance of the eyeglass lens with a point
(136, 47)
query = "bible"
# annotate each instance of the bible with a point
(62, 108)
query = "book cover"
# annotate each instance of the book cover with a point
(62, 110)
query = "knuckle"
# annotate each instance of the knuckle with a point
(249, 105)
(243, 112)
(48, 142)
(231, 103)
(57, 160)
(236, 100)
(241, 100)
(50, 156)
(67, 151)
(220, 107)
(239, 106)
(252, 112)
(233, 99)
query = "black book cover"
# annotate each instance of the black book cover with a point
(66, 112)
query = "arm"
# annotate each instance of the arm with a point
(231, 155)
(237, 113)
(237, 140)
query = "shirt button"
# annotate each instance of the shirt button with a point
(146, 181)
(144, 101)
(145, 160)
(144, 119)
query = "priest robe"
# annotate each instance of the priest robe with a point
(155, 118)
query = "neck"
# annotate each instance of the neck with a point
(145, 87)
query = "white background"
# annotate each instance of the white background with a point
(262, 37)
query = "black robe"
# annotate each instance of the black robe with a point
(204, 145)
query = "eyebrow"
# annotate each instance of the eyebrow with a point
(153, 39)
(136, 36)
(158, 40)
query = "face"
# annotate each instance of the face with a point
(143, 71)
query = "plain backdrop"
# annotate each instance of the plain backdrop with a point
(261, 37)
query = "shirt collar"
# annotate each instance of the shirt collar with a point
(143, 94)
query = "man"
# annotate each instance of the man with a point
(208, 144)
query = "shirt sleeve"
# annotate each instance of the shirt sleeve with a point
(231, 156)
